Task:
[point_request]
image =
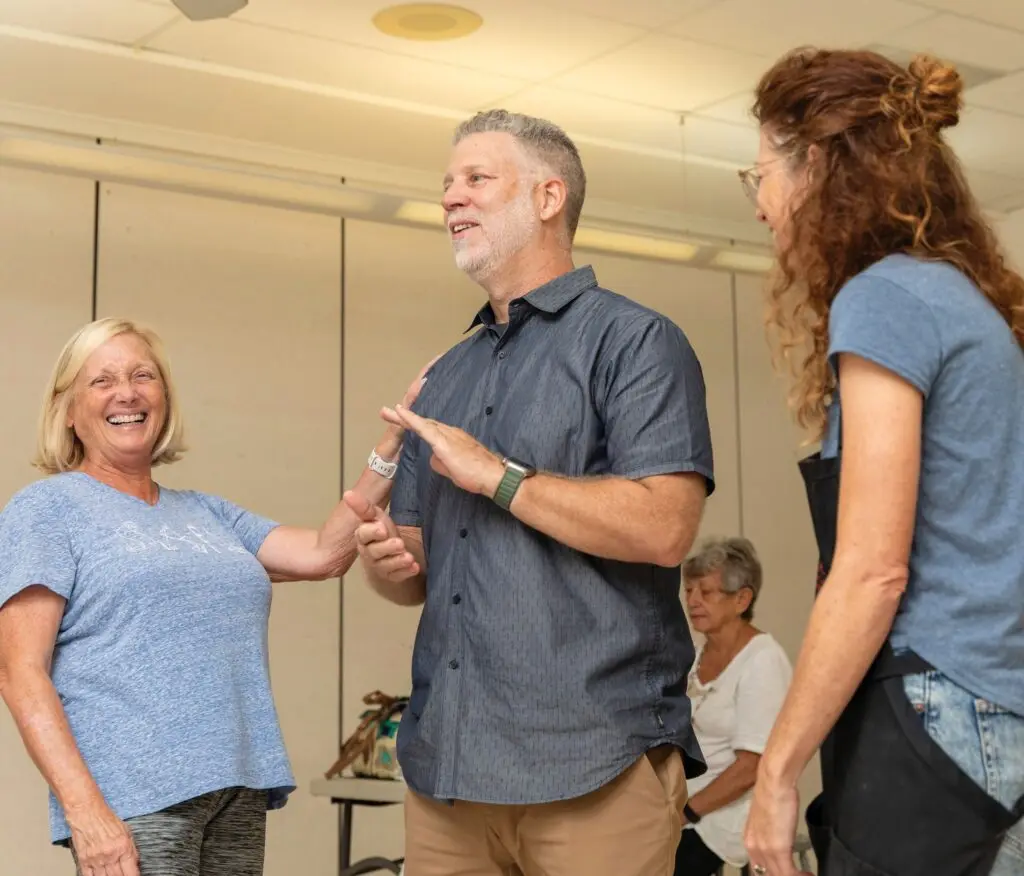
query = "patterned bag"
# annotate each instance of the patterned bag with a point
(370, 750)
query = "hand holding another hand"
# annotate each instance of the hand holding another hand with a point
(380, 546)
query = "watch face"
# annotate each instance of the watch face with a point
(527, 470)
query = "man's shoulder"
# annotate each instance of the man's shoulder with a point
(625, 322)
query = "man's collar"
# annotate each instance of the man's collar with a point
(551, 297)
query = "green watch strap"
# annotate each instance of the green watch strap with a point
(515, 474)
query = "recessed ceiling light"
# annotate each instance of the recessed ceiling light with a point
(427, 22)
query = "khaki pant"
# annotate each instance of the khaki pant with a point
(630, 827)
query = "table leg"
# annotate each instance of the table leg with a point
(344, 836)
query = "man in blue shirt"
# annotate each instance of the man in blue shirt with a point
(551, 484)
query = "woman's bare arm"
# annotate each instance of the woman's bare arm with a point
(29, 623)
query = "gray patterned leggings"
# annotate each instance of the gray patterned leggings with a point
(217, 834)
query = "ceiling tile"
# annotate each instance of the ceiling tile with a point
(643, 13)
(722, 140)
(776, 27)
(1006, 94)
(962, 39)
(598, 117)
(217, 106)
(669, 186)
(616, 122)
(530, 39)
(323, 62)
(990, 141)
(1006, 13)
(120, 21)
(735, 109)
(665, 72)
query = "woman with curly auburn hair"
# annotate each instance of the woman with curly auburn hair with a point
(903, 327)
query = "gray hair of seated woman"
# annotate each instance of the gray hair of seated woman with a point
(735, 559)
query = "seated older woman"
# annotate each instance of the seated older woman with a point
(133, 624)
(737, 684)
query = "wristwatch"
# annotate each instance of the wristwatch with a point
(515, 473)
(691, 816)
(380, 466)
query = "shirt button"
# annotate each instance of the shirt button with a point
(488, 410)
(456, 599)
(454, 664)
(502, 354)
(463, 533)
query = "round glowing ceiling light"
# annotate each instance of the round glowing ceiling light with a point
(427, 21)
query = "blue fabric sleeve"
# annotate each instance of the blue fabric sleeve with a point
(35, 544)
(405, 505)
(655, 409)
(251, 529)
(884, 323)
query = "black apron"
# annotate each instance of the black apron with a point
(893, 802)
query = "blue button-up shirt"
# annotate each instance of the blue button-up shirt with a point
(540, 673)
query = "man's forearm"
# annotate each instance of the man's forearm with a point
(39, 716)
(411, 591)
(614, 518)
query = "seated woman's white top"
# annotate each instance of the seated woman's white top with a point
(735, 712)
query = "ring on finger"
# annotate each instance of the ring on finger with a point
(759, 870)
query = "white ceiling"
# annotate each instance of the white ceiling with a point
(315, 77)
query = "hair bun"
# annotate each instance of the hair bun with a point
(938, 91)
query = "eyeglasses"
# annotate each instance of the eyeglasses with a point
(750, 179)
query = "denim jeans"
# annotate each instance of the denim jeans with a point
(986, 742)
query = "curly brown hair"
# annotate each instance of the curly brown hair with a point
(881, 180)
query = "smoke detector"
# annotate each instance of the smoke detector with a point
(207, 10)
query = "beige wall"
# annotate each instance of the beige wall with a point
(1011, 234)
(46, 241)
(249, 302)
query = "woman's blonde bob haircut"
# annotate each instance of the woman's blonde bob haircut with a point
(59, 448)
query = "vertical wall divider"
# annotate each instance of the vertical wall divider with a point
(736, 395)
(96, 245)
(341, 492)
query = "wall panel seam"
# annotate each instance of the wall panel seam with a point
(737, 400)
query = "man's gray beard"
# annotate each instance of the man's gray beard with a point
(509, 236)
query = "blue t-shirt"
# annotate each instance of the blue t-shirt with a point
(161, 659)
(963, 611)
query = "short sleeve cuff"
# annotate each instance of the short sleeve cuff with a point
(406, 518)
(913, 376)
(754, 746)
(20, 583)
(639, 471)
(253, 530)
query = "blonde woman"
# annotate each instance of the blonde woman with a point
(133, 624)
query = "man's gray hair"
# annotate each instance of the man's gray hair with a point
(545, 141)
(736, 560)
